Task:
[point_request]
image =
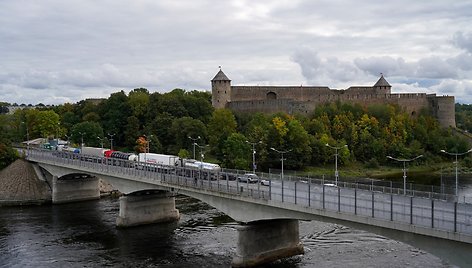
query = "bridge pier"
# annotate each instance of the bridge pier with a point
(266, 241)
(145, 207)
(67, 190)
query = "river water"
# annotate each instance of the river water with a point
(84, 235)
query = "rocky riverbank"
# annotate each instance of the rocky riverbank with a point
(19, 185)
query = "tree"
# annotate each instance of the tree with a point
(161, 127)
(141, 145)
(46, 123)
(299, 141)
(236, 152)
(7, 155)
(89, 131)
(112, 112)
(138, 100)
(131, 132)
(184, 154)
(221, 125)
(181, 129)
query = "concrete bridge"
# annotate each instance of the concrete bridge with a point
(269, 214)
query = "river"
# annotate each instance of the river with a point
(84, 235)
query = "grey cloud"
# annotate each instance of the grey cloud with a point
(462, 61)
(386, 65)
(463, 41)
(309, 62)
(432, 67)
(435, 67)
(324, 71)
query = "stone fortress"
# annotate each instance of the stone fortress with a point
(304, 99)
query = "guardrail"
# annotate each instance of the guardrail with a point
(425, 209)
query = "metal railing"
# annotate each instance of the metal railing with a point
(426, 209)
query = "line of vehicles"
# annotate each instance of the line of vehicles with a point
(156, 162)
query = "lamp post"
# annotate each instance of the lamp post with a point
(404, 168)
(456, 162)
(202, 156)
(194, 143)
(67, 137)
(148, 147)
(101, 141)
(336, 173)
(281, 159)
(254, 154)
(82, 138)
(27, 137)
(111, 140)
(57, 134)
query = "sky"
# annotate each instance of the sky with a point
(56, 51)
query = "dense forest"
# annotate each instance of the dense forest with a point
(172, 121)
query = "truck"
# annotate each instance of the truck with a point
(159, 159)
(93, 151)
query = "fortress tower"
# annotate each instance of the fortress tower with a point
(220, 90)
(382, 86)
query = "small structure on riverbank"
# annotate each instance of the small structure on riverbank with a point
(19, 185)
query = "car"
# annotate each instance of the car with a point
(265, 182)
(230, 176)
(330, 185)
(249, 178)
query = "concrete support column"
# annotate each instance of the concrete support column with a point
(147, 207)
(74, 189)
(266, 241)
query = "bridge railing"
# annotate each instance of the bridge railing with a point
(362, 200)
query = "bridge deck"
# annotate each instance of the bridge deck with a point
(424, 215)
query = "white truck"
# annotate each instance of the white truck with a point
(159, 159)
(93, 151)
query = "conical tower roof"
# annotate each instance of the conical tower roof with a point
(220, 76)
(382, 82)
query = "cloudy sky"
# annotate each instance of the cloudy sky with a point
(56, 51)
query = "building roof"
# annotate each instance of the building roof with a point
(220, 76)
(382, 82)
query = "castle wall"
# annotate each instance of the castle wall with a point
(410, 103)
(303, 99)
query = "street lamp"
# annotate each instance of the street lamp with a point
(404, 168)
(457, 176)
(27, 137)
(111, 140)
(282, 159)
(194, 143)
(57, 134)
(202, 156)
(101, 140)
(147, 149)
(67, 137)
(254, 155)
(202, 151)
(336, 173)
(82, 135)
